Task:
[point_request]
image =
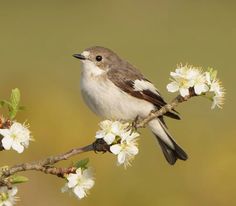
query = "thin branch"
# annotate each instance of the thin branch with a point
(46, 165)
(166, 108)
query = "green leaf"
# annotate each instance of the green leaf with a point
(18, 179)
(14, 103)
(15, 97)
(12, 113)
(82, 163)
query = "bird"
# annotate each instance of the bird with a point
(114, 89)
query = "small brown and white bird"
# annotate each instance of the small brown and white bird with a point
(114, 89)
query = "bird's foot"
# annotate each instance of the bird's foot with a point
(134, 124)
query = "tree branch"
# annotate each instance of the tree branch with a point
(46, 165)
(166, 108)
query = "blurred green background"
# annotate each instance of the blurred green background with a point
(37, 40)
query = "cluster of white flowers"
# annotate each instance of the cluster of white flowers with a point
(186, 77)
(122, 141)
(79, 183)
(16, 137)
(215, 86)
(7, 196)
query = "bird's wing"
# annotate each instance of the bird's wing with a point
(131, 81)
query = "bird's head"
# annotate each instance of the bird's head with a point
(98, 57)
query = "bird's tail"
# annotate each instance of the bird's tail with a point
(171, 150)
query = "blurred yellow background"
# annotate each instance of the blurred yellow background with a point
(37, 41)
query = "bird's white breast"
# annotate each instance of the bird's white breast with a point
(106, 99)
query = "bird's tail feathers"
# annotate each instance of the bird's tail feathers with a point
(171, 150)
(173, 115)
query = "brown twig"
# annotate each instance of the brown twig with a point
(167, 108)
(46, 165)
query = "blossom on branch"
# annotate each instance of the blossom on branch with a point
(127, 148)
(7, 196)
(121, 138)
(216, 88)
(16, 137)
(79, 183)
(203, 83)
(186, 77)
(110, 129)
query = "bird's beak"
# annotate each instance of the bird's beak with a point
(79, 56)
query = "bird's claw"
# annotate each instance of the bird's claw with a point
(134, 124)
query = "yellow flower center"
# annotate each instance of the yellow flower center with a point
(13, 136)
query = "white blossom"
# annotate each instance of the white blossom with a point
(180, 81)
(122, 140)
(186, 77)
(200, 83)
(79, 183)
(7, 196)
(16, 137)
(110, 129)
(216, 88)
(127, 148)
(217, 101)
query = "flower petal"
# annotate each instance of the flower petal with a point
(9, 198)
(200, 88)
(133, 150)
(115, 127)
(99, 134)
(105, 124)
(125, 135)
(5, 132)
(109, 138)
(79, 192)
(72, 180)
(208, 77)
(7, 143)
(184, 92)
(88, 184)
(121, 157)
(173, 87)
(217, 101)
(115, 149)
(132, 137)
(18, 147)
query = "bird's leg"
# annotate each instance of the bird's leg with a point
(135, 122)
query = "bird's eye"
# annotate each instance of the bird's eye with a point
(99, 58)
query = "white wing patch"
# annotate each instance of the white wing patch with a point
(140, 85)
